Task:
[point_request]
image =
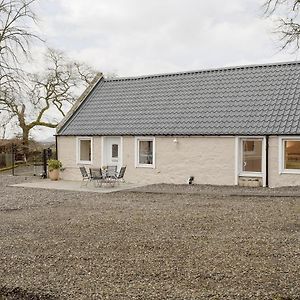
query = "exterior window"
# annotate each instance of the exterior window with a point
(85, 150)
(291, 155)
(145, 152)
(114, 150)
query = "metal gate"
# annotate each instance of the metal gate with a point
(35, 165)
(13, 161)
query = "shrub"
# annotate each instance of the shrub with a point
(54, 164)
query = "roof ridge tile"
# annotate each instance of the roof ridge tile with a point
(202, 71)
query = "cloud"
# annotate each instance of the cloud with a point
(136, 37)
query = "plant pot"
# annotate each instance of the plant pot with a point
(54, 174)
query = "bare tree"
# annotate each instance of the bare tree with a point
(16, 19)
(287, 21)
(16, 16)
(40, 99)
(44, 98)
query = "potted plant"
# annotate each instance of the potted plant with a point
(54, 166)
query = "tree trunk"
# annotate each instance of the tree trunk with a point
(25, 132)
(25, 142)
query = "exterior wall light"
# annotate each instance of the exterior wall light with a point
(175, 141)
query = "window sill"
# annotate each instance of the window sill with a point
(290, 172)
(146, 166)
(84, 163)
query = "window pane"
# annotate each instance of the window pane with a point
(146, 152)
(252, 156)
(292, 154)
(85, 150)
(249, 146)
(115, 151)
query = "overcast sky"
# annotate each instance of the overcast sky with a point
(134, 37)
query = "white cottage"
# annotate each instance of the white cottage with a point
(228, 126)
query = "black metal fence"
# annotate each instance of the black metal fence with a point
(35, 164)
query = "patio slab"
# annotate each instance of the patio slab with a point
(69, 185)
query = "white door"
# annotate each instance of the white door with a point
(112, 155)
(252, 158)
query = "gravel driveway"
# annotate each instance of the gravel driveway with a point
(137, 245)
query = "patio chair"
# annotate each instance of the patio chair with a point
(85, 176)
(96, 176)
(111, 172)
(120, 176)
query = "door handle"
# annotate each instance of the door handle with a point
(245, 163)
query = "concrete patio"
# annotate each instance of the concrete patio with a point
(69, 185)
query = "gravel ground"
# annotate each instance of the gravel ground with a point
(158, 245)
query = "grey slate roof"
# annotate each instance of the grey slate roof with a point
(247, 100)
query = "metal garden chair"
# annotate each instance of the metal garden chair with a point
(120, 176)
(111, 172)
(96, 176)
(85, 176)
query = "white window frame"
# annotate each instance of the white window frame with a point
(281, 156)
(78, 140)
(137, 146)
